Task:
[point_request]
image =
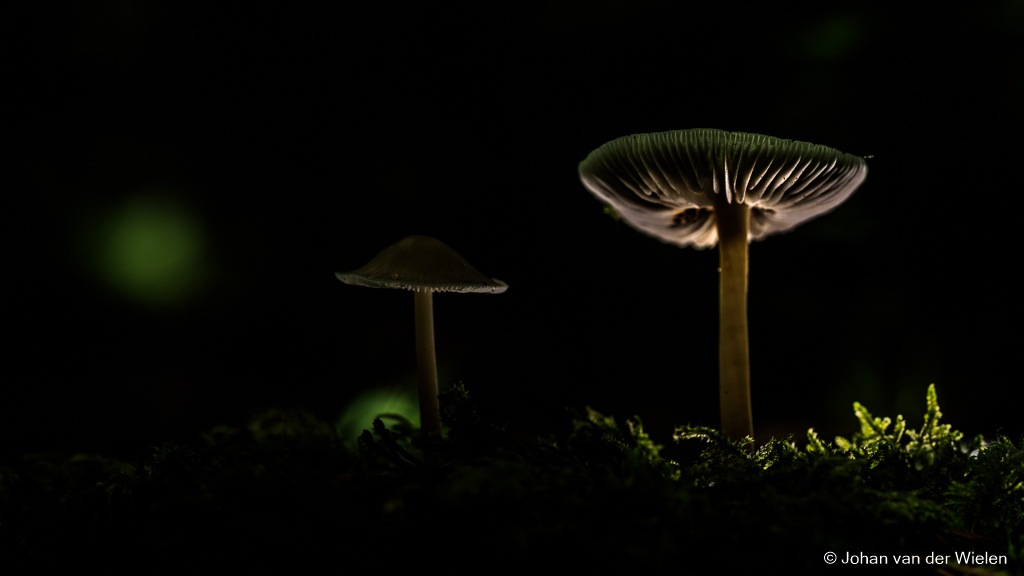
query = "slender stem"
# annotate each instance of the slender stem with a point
(733, 221)
(426, 364)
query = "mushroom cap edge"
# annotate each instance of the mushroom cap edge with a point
(422, 264)
(665, 184)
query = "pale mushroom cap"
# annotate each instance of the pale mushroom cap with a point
(422, 264)
(665, 184)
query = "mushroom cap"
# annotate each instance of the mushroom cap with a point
(421, 264)
(666, 184)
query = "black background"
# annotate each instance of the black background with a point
(298, 141)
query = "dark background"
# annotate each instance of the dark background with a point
(195, 176)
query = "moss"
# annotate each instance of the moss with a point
(283, 493)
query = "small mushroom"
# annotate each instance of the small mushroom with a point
(424, 265)
(700, 187)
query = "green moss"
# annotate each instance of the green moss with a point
(283, 493)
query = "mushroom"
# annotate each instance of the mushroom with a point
(702, 186)
(424, 265)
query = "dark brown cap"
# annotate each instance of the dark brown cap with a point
(422, 264)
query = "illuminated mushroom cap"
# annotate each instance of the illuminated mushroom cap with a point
(666, 184)
(421, 264)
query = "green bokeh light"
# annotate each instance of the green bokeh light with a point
(360, 412)
(150, 249)
(833, 38)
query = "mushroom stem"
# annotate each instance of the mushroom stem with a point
(426, 363)
(733, 221)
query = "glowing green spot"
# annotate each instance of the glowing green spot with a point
(833, 38)
(359, 413)
(150, 250)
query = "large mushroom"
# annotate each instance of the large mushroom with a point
(424, 265)
(700, 187)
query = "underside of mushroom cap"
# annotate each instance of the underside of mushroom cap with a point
(422, 264)
(666, 184)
